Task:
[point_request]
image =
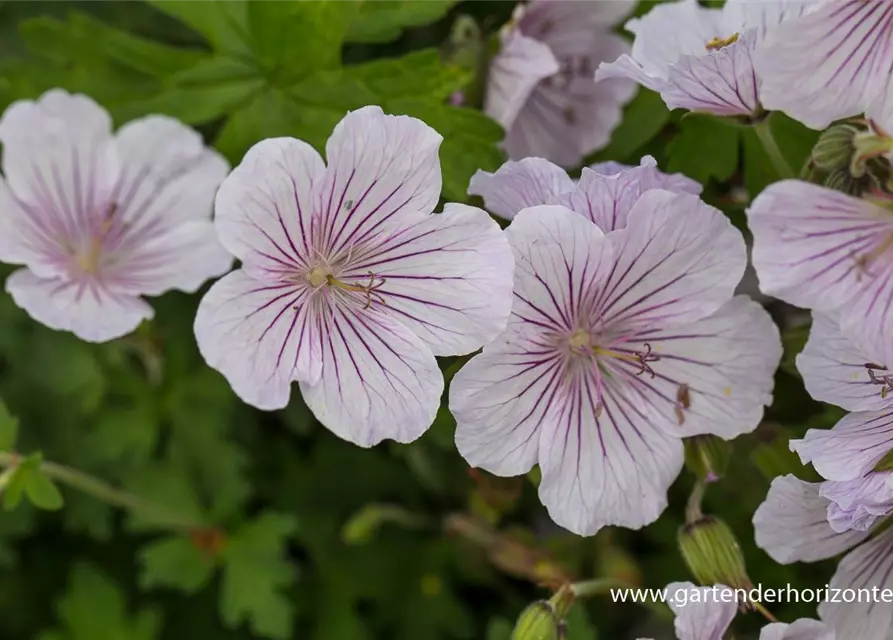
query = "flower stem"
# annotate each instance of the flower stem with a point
(764, 133)
(105, 492)
(764, 611)
(693, 511)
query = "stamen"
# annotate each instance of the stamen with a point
(718, 43)
(642, 359)
(370, 289)
(683, 401)
(863, 261)
(885, 380)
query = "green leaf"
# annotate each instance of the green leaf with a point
(793, 138)
(174, 562)
(499, 629)
(223, 22)
(578, 625)
(168, 487)
(417, 74)
(94, 608)
(705, 148)
(384, 20)
(773, 456)
(256, 571)
(42, 493)
(9, 429)
(643, 118)
(27, 479)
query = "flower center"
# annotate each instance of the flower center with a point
(718, 43)
(320, 276)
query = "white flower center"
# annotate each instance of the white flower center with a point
(318, 277)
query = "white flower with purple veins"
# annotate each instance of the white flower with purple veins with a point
(832, 63)
(821, 249)
(99, 220)
(698, 58)
(706, 613)
(540, 87)
(349, 284)
(624, 338)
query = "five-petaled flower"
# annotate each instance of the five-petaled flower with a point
(624, 338)
(833, 62)
(349, 285)
(541, 88)
(701, 59)
(98, 219)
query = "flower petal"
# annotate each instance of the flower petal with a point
(515, 72)
(830, 63)
(677, 260)
(503, 397)
(569, 26)
(868, 567)
(604, 467)
(607, 199)
(858, 504)
(802, 629)
(261, 336)
(89, 311)
(851, 449)
(264, 210)
(792, 525)
(702, 615)
(447, 278)
(379, 380)
(808, 242)
(518, 185)
(833, 368)
(383, 171)
(727, 362)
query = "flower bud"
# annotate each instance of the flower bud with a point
(537, 622)
(707, 456)
(712, 553)
(834, 149)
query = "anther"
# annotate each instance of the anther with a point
(644, 359)
(885, 380)
(718, 43)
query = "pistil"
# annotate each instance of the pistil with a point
(718, 43)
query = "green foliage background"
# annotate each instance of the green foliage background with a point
(267, 525)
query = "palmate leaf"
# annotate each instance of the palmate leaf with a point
(275, 70)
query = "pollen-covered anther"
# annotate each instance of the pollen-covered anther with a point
(683, 401)
(864, 260)
(885, 380)
(718, 43)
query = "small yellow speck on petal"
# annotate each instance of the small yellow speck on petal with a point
(727, 391)
(431, 585)
(718, 43)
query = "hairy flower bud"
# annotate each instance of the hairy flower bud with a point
(707, 456)
(834, 149)
(713, 554)
(537, 622)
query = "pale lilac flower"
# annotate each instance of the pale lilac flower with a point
(699, 58)
(540, 87)
(706, 613)
(605, 191)
(831, 63)
(791, 526)
(349, 285)
(99, 220)
(624, 338)
(822, 249)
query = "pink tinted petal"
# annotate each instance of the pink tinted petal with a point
(868, 567)
(792, 525)
(802, 629)
(727, 360)
(502, 397)
(264, 210)
(568, 26)
(518, 185)
(607, 199)
(809, 240)
(25, 238)
(560, 258)
(859, 503)
(677, 260)
(183, 258)
(91, 312)
(830, 63)
(500, 400)
(704, 616)
(851, 449)
(515, 72)
(833, 368)
(383, 171)
(763, 15)
(447, 278)
(378, 381)
(261, 336)
(604, 467)
(720, 82)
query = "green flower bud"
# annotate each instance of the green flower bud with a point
(537, 622)
(842, 180)
(707, 456)
(713, 554)
(834, 149)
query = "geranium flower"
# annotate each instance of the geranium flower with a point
(349, 284)
(821, 249)
(833, 62)
(621, 342)
(540, 87)
(698, 58)
(99, 220)
(705, 613)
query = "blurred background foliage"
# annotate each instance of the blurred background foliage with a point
(265, 525)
